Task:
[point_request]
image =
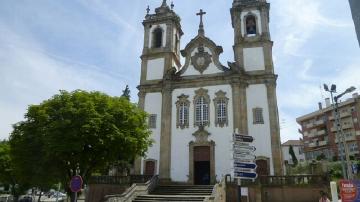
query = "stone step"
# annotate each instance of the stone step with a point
(177, 193)
(172, 198)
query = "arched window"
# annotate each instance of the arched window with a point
(182, 106)
(250, 25)
(157, 37)
(201, 102)
(221, 112)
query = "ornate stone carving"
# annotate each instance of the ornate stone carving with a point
(201, 135)
(201, 60)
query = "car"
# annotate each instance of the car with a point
(25, 199)
(6, 198)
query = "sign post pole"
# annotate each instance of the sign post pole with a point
(244, 159)
(239, 189)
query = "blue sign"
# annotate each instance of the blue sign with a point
(243, 138)
(245, 175)
(76, 183)
(245, 165)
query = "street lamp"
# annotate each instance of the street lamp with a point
(339, 130)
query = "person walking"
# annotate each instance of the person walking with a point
(323, 197)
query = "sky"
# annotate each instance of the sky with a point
(95, 45)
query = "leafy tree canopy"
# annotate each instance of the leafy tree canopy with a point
(5, 163)
(79, 129)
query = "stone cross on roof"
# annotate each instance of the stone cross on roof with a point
(201, 26)
(164, 3)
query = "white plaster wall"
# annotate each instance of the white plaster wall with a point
(155, 69)
(254, 59)
(181, 137)
(257, 97)
(287, 156)
(153, 102)
(163, 27)
(212, 69)
(258, 21)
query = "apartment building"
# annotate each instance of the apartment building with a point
(319, 130)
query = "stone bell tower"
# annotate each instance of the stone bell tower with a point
(253, 59)
(160, 58)
(161, 51)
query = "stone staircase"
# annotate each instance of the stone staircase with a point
(180, 193)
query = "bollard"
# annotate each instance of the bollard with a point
(334, 194)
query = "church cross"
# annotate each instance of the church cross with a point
(201, 26)
(201, 13)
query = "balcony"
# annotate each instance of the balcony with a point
(323, 143)
(313, 144)
(344, 114)
(319, 122)
(321, 132)
(309, 125)
(347, 138)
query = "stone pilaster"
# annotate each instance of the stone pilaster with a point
(137, 162)
(165, 135)
(240, 106)
(274, 128)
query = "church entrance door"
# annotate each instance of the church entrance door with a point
(202, 165)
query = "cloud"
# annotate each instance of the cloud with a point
(299, 19)
(28, 75)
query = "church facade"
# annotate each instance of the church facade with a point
(195, 108)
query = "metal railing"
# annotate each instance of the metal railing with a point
(120, 180)
(293, 180)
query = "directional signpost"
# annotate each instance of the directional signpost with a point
(244, 159)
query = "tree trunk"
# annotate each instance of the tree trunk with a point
(40, 195)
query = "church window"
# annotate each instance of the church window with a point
(201, 103)
(258, 116)
(221, 111)
(157, 37)
(182, 106)
(250, 23)
(152, 121)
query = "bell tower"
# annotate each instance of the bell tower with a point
(161, 51)
(253, 59)
(252, 42)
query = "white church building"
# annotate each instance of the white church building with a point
(195, 108)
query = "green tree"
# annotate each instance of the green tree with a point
(7, 176)
(293, 156)
(85, 131)
(126, 93)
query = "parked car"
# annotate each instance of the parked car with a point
(6, 198)
(25, 199)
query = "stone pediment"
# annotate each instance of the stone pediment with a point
(201, 54)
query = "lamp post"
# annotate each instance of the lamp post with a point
(347, 173)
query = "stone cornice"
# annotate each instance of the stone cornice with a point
(201, 81)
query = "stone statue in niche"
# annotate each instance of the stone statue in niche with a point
(250, 25)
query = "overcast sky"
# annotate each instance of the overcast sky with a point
(48, 45)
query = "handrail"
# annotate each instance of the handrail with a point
(130, 193)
